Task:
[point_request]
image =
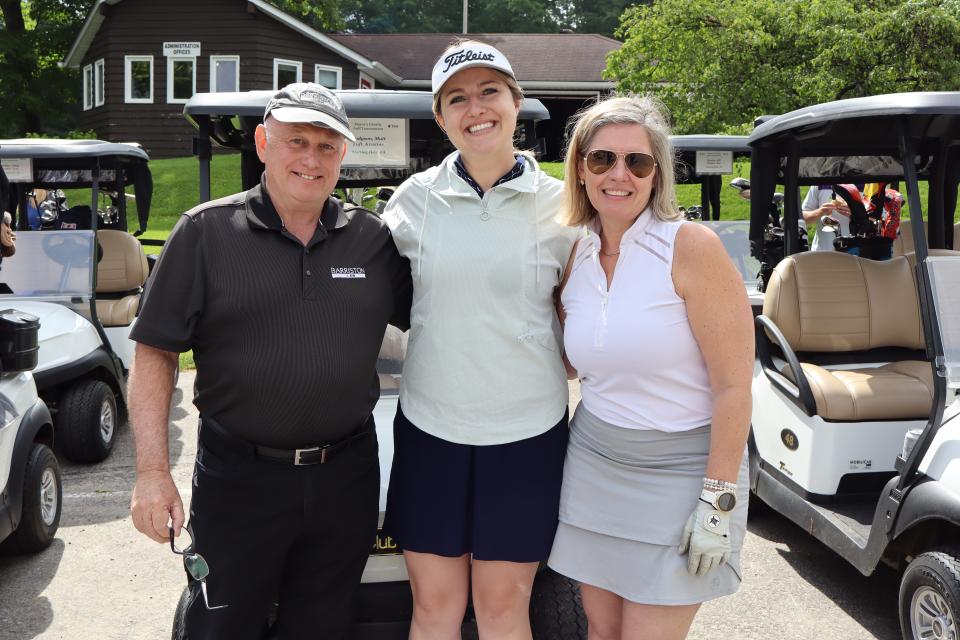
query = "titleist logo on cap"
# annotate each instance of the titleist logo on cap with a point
(467, 55)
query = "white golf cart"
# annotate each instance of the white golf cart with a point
(397, 136)
(81, 274)
(30, 487)
(855, 395)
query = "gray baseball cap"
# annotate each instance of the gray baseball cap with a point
(309, 103)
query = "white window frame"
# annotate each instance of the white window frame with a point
(87, 85)
(128, 79)
(170, 61)
(363, 76)
(293, 63)
(213, 71)
(99, 84)
(317, 68)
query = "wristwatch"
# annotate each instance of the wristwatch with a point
(723, 500)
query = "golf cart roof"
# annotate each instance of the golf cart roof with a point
(847, 115)
(694, 143)
(359, 103)
(74, 149)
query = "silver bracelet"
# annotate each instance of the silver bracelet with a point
(712, 484)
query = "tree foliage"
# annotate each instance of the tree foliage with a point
(716, 64)
(36, 35)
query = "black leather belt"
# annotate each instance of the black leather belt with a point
(313, 455)
(319, 454)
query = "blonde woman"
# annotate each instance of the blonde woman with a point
(658, 327)
(481, 429)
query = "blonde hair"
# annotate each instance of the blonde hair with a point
(645, 111)
(511, 83)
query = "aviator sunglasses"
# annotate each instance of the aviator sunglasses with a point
(599, 161)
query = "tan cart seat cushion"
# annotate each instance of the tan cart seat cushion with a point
(895, 391)
(122, 269)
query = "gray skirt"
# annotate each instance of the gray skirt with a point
(626, 496)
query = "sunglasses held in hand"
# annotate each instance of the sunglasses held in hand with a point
(599, 161)
(196, 566)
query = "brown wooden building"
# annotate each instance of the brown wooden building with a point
(140, 60)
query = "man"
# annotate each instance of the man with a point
(284, 296)
(818, 204)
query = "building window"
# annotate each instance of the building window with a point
(285, 72)
(329, 77)
(88, 87)
(224, 73)
(98, 91)
(138, 79)
(181, 79)
(366, 82)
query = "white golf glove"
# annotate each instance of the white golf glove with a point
(706, 536)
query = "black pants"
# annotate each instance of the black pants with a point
(274, 532)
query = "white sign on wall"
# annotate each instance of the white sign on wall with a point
(181, 49)
(714, 162)
(17, 169)
(381, 142)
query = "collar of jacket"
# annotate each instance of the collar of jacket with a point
(446, 182)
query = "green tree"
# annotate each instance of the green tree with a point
(35, 37)
(324, 15)
(444, 16)
(590, 16)
(716, 64)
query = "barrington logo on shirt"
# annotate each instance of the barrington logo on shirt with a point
(347, 272)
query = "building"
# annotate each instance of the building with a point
(140, 60)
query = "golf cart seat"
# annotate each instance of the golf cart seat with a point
(121, 273)
(904, 241)
(831, 302)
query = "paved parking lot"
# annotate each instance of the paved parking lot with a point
(102, 580)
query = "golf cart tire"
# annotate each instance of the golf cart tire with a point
(179, 616)
(79, 421)
(556, 610)
(33, 534)
(938, 571)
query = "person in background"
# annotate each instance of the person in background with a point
(659, 330)
(481, 427)
(819, 207)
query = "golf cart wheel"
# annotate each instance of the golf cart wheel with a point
(556, 611)
(180, 615)
(42, 492)
(930, 596)
(87, 421)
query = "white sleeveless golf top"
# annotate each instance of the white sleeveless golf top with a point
(639, 364)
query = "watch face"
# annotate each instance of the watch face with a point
(726, 501)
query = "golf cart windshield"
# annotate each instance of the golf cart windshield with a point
(50, 265)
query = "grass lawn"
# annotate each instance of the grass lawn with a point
(176, 189)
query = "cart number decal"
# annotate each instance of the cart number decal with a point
(789, 439)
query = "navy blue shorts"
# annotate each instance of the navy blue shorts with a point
(496, 502)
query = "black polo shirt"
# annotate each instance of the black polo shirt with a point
(285, 336)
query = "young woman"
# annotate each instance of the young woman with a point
(658, 326)
(481, 429)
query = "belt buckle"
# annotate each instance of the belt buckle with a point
(298, 452)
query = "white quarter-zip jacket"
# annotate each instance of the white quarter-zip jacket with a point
(639, 364)
(483, 363)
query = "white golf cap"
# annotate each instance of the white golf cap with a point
(472, 54)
